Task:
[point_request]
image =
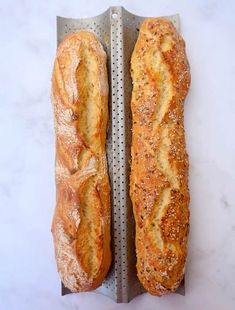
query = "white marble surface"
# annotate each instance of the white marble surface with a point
(28, 278)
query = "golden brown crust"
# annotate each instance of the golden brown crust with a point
(159, 169)
(81, 223)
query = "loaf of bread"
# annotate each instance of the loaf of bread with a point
(81, 222)
(159, 167)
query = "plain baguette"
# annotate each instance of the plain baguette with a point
(159, 168)
(81, 222)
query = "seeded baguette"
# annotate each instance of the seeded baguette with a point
(81, 222)
(159, 168)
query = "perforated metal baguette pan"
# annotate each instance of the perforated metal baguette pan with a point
(117, 30)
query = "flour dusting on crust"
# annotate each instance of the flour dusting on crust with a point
(69, 267)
